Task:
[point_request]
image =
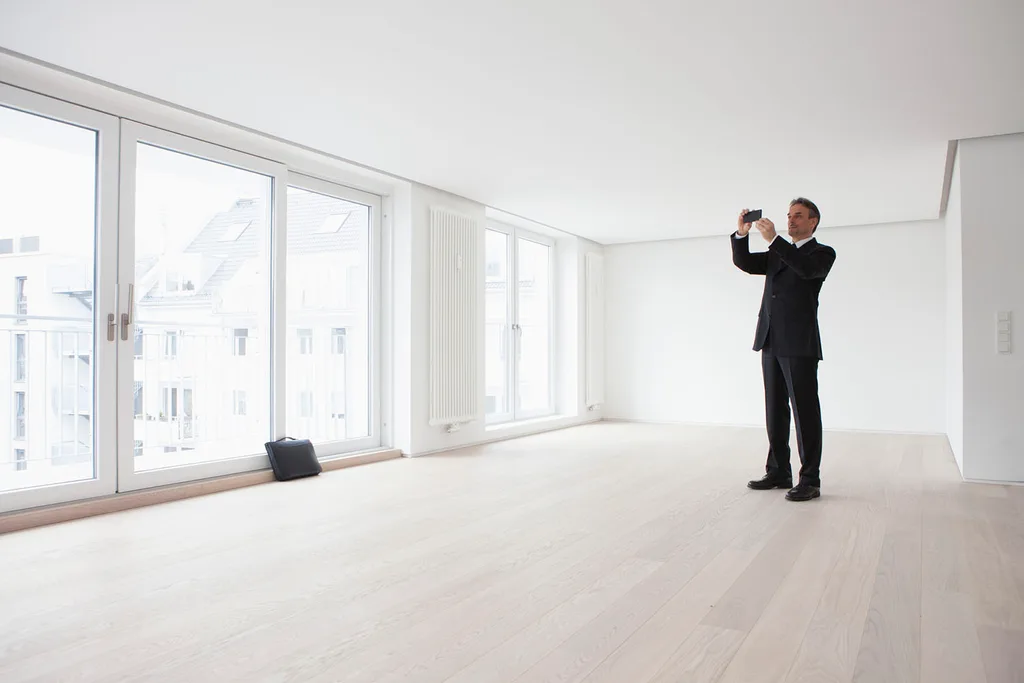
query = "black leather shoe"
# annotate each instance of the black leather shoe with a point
(770, 481)
(803, 492)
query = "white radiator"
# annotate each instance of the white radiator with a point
(455, 322)
(594, 277)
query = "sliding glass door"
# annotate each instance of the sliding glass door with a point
(172, 305)
(58, 221)
(518, 334)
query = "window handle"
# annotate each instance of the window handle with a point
(128, 318)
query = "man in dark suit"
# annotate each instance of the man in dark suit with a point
(787, 337)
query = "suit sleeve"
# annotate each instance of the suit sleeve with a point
(755, 264)
(809, 266)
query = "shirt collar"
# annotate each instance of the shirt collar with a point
(803, 242)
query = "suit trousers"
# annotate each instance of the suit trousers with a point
(792, 381)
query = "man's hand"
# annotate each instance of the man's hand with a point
(767, 229)
(742, 228)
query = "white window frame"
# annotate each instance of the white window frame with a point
(513, 335)
(133, 134)
(330, 449)
(104, 416)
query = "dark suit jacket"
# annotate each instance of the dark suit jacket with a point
(789, 305)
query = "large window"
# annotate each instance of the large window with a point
(202, 261)
(50, 153)
(172, 305)
(330, 295)
(518, 335)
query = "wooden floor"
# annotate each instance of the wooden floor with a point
(611, 553)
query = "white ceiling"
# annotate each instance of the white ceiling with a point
(611, 119)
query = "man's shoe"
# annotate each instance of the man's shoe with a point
(802, 492)
(770, 481)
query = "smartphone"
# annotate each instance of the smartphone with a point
(751, 216)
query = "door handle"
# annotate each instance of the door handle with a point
(128, 318)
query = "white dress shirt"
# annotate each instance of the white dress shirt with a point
(799, 243)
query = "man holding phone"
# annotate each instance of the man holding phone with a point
(788, 338)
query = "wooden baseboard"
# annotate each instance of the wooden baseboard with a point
(66, 512)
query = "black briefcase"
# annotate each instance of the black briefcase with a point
(293, 458)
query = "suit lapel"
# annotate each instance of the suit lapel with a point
(776, 265)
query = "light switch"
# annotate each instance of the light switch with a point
(1004, 332)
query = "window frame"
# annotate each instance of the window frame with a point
(327, 450)
(513, 337)
(103, 480)
(132, 135)
(40, 90)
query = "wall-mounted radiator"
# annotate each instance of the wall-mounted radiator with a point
(455, 324)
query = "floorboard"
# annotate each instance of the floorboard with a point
(609, 553)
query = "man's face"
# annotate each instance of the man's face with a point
(801, 225)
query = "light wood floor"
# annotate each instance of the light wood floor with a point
(611, 553)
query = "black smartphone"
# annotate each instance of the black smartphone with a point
(751, 216)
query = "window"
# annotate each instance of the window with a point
(333, 222)
(241, 337)
(204, 221)
(338, 341)
(19, 415)
(49, 163)
(20, 364)
(172, 281)
(306, 404)
(338, 405)
(497, 368)
(518, 333)
(137, 448)
(170, 345)
(330, 275)
(305, 342)
(21, 297)
(169, 406)
(239, 401)
(139, 342)
(137, 401)
(234, 231)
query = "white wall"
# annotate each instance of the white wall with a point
(680, 324)
(955, 320)
(992, 184)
